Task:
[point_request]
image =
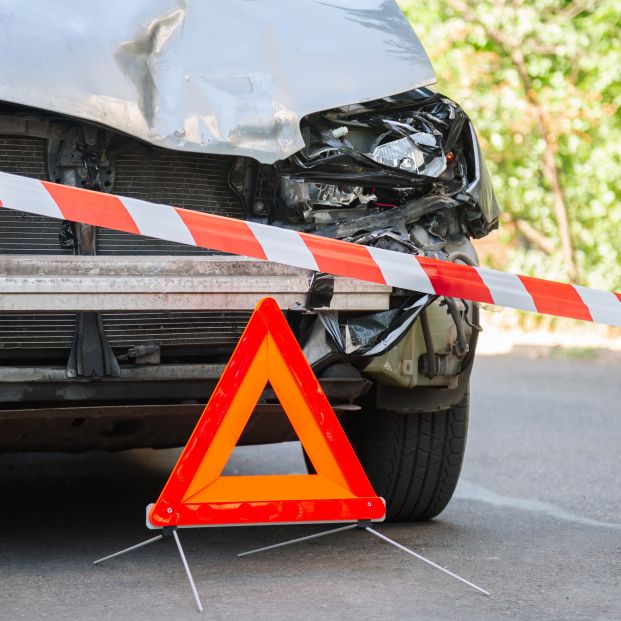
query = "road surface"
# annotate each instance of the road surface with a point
(536, 521)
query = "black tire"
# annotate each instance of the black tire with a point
(414, 460)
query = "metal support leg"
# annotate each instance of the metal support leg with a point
(187, 571)
(126, 550)
(300, 539)
(167, 532)
(364, 525)
(425, 560)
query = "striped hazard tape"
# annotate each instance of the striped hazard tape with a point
(260, 241)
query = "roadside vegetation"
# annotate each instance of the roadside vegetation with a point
(541, 80)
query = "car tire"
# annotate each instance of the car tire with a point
(414, 460)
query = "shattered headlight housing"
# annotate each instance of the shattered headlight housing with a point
(364, 159)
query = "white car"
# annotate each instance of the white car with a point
(312, 116)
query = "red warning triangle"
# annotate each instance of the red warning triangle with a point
(196, 494)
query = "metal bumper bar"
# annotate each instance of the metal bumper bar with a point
(130, 283)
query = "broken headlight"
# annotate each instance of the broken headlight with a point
(388, 154)
(420, 153)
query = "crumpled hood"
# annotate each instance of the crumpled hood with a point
(214, 76)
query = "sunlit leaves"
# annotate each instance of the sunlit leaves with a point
(572, 52)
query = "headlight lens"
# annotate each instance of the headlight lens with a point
(420, 153)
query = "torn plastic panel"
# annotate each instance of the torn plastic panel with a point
(372, 335)
(398, 219)
(387, 240)
(478, 197)
(320, 291)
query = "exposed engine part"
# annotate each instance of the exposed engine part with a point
(440, 365)
(458, 310)
(387, 240)
(462, 257)
(148, 353)
(79, 156)
(66, 236)
(398, 219)
(474, 325)
(400, 366)
(430, 369)
(461, 345)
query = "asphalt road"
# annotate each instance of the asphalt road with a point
(536, 521)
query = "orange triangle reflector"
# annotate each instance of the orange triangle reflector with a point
(197, 495)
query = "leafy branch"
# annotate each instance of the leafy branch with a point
(512, 49)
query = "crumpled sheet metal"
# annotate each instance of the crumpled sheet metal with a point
(208, 76)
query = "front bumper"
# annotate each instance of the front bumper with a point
(95, 283)
(146, 404)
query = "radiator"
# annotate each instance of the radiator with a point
(192, 181)
(188, 180)
(22, 233)
(186, 328)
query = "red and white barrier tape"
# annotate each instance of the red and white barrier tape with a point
(307, 251)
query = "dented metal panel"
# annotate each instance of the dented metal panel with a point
(230, 77)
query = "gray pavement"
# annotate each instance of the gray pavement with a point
(536, 520)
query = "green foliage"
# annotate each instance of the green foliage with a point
(541, 78)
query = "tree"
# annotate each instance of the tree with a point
(541, 81)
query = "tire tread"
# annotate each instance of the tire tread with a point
(414, 461)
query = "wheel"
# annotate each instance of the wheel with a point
(414, 460)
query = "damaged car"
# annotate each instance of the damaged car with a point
(316, 118)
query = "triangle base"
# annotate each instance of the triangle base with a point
(267, 512)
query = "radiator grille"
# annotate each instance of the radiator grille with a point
(188, 180)
(36, 331)
(123, 330)
(24, 233)
(179, 328)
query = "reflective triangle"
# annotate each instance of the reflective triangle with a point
(197, 495)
